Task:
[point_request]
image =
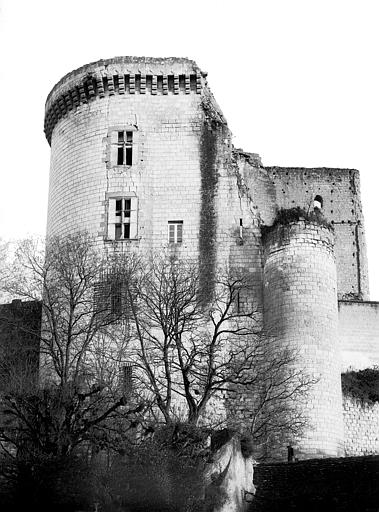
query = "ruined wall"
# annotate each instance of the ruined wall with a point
(287, 187)
(361, 427)
(300, 310)
(358, 327)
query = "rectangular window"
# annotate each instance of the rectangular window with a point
(126, 379)
(111, 298)
(124, 148)
(122, 218)
(116, 297)
(175, 231)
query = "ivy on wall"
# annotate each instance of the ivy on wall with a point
(362, 385)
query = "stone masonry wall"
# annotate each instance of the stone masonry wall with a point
(358, 326)
(286, 187)
(300, 310)
(342, 484)
(165, 176)
(167, 161)
(361, 425)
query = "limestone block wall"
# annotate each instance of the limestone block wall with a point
(161, 102)
(358, 327)
(238, 241)
(300, 310)
(287, 187)
(361, 424)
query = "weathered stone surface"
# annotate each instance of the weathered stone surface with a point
(361, 422)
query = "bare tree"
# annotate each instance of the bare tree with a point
(4, 255)
(187, 349)
(196, 350)
(79, 397)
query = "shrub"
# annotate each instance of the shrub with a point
(287, 216)
(164, 473)
(362, 385)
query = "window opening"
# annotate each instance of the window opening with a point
(175, 231)
(111, 297)
(116, 298)
(317, 203)
(123, 211)
(125, 148)
(126, 379)
(122, 218)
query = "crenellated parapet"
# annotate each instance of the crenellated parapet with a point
(121, 75)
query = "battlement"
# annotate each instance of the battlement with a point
(121, 75)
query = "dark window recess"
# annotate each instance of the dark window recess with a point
(123, 214)
(116, 298)
(120, 156)
(128, 207)
(126, 379)
(125, 148)
(111, 297)
(179, 233)
(171, 233)
(318, 203)
(128, 156)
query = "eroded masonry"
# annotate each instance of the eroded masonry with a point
(141, 156)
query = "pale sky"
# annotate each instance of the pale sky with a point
(297, 80)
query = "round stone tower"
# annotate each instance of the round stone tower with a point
(300, 311)
(126, 138)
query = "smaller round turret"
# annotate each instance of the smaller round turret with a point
(300, 310)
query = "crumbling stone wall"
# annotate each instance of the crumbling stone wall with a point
(287, 187)
(361, 425)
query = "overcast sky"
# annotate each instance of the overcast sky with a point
(298, 82)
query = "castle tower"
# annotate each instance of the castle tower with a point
(141, 158)
(134, 143)
(300, 310)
